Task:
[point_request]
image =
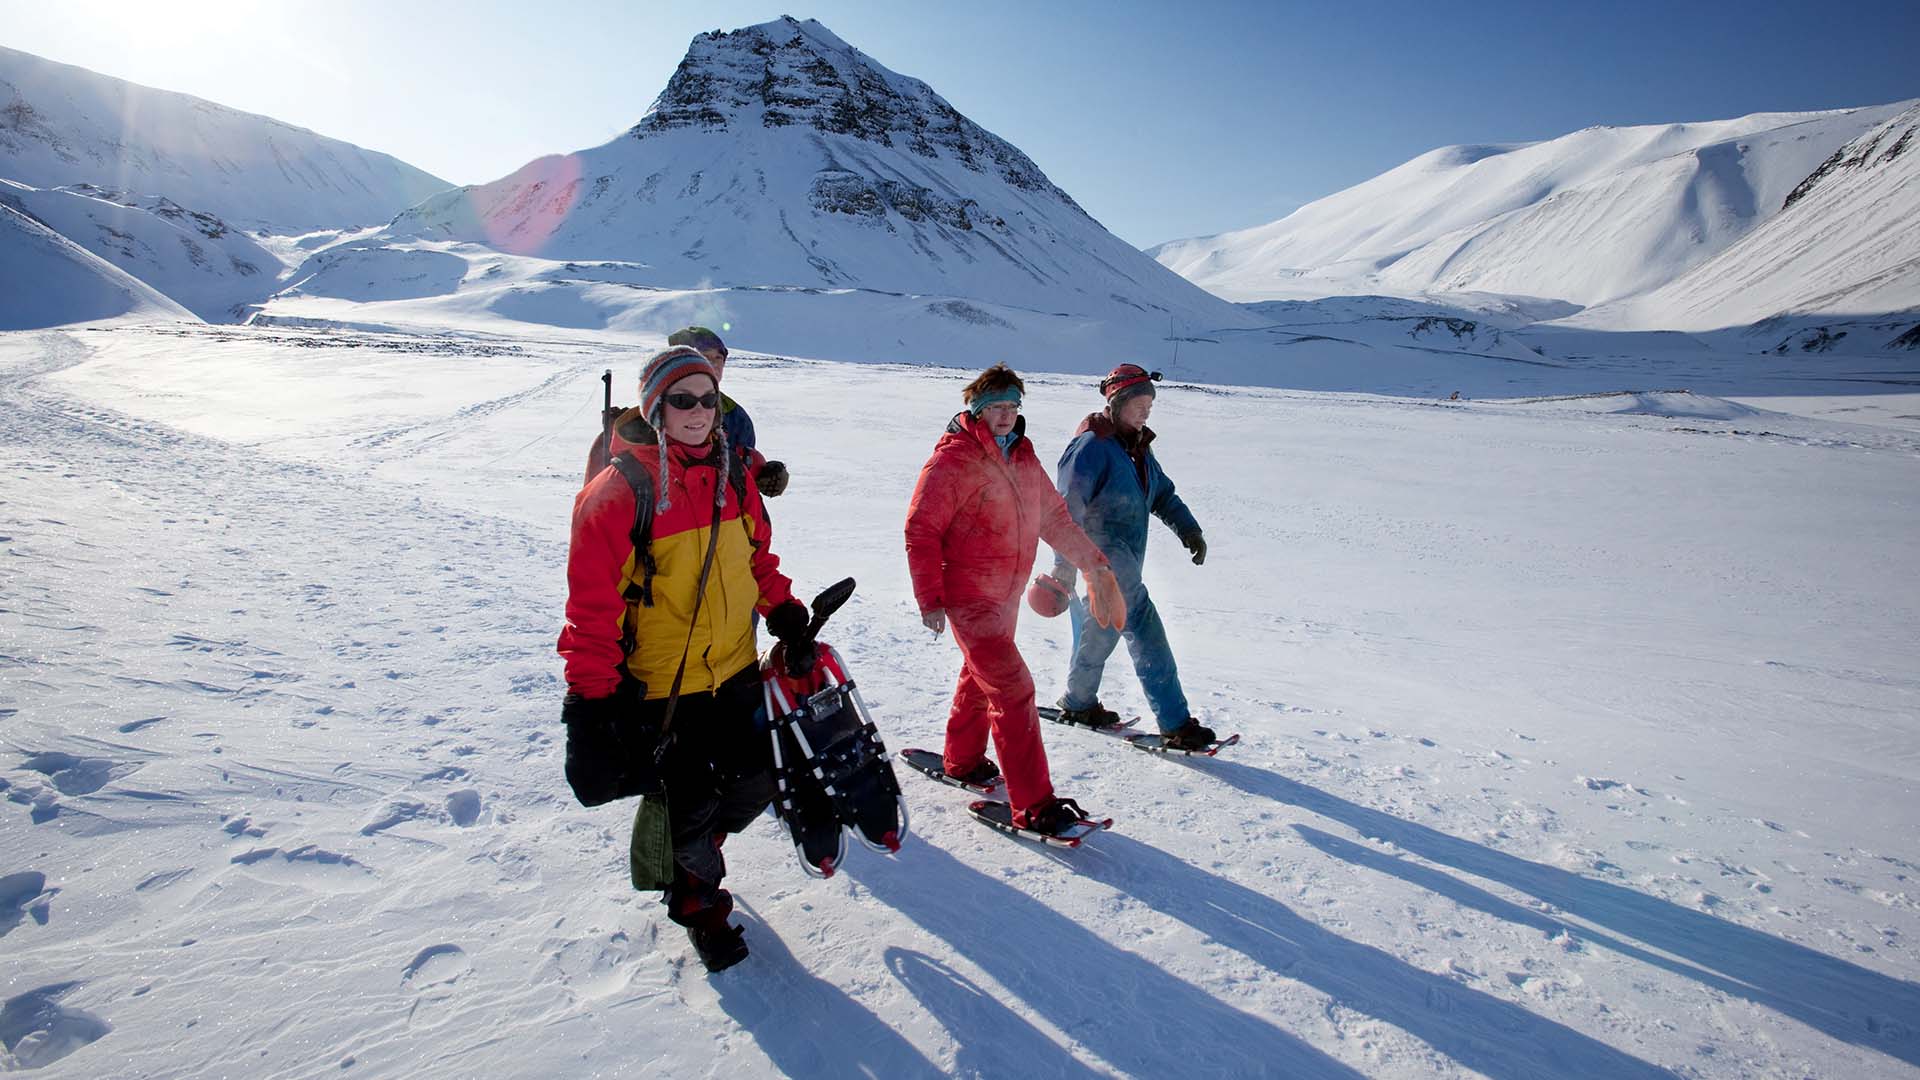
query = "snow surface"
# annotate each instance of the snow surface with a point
(1591, 217)
(62, 125)
(1579, 736)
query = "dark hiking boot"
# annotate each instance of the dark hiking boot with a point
(1052, 815)
(1094, 715)
(986, 772)
(720, 945)
(1188, 736)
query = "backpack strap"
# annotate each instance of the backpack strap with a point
(641, 534)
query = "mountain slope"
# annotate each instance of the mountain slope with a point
(779, 155)
(52, 281)
(1847, 242)
(62, 125)
(196, 259)
(1589, 217)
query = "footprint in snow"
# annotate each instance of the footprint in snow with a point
(74, 775)
(22, 895)
(436, 965)
(37, 1030)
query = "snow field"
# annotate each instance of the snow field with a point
(1575, 741)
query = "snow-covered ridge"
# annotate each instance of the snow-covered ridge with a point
(63, 125)
(1588, 218)
(1845, 245)
(193, 257)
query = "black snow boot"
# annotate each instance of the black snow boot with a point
(980, 775)
(720, 945)
(1094, 715)
(1189, 736)
(1052, 816)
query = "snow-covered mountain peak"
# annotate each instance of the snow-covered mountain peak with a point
(790, 72)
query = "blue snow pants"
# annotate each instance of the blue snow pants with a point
(1146, 641)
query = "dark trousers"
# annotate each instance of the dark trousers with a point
(718, 775)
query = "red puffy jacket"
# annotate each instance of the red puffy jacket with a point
(978, 516)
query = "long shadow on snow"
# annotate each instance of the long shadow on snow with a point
(1129, 1011)
(806, 1025)
(1841, 999)
(992, 1039)
(1467, 895)
(1484, 1033)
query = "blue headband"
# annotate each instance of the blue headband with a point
(992, 397)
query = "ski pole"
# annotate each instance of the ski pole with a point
(606, 409)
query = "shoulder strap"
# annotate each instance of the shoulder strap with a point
(641, 534)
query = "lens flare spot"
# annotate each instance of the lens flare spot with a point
(537, 202)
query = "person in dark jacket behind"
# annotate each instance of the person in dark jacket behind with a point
(1111, 482)
(769, 476)
(979, 510)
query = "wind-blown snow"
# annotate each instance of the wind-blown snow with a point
(1578, 738)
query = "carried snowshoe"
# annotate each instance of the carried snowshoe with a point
(831, 768)
(932, 764)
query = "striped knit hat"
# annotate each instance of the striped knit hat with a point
(667, 368)
(661, 372)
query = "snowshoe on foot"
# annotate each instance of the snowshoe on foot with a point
(832, 770)
(1189, 736)
(720, 946)
(984, 775)
(1068, 825)
(934, 766)
(1052, 815)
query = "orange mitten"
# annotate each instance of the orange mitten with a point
(1107, 605)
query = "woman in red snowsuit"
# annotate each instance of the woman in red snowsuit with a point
(982, 505)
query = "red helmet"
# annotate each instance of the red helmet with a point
(1124, 381)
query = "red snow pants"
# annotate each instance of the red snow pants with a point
(995, 696)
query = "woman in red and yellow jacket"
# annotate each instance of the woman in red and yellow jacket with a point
(982, 505)
(640, 627)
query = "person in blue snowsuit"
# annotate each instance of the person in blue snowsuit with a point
(1111, 482)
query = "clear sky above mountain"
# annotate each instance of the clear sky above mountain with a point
(1162, 122)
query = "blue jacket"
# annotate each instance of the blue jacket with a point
(1109, 491)
(735, 422)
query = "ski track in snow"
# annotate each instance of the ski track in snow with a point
(280, 788)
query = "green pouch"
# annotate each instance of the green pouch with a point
(650, 858)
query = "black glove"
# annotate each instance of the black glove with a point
(788, 622)
(1195, 543)
(771, 479)
(609, 747)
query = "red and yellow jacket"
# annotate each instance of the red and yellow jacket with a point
(601, 563)
(978, 516)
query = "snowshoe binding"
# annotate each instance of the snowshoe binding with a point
(1095, 716)
(832, 771)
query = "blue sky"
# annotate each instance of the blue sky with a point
(1162, 120)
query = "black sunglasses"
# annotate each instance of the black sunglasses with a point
(685, 401)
